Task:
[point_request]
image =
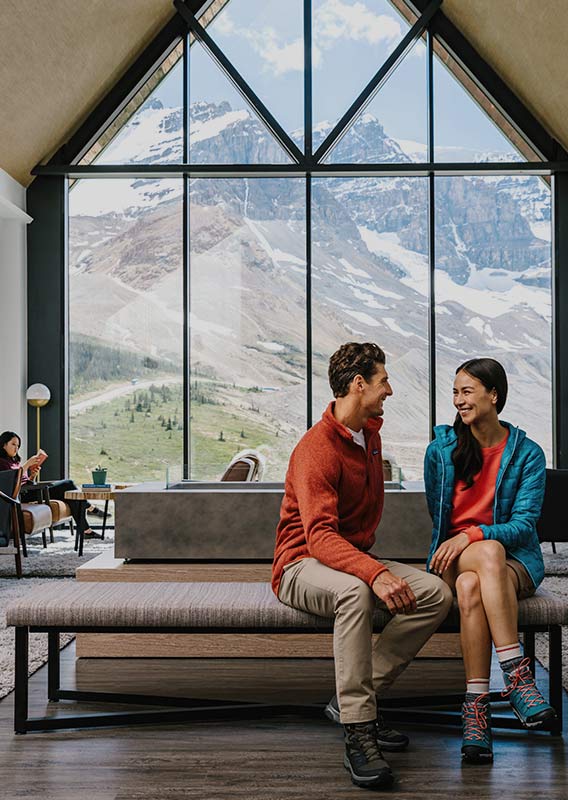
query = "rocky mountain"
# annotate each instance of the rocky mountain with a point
(369, 275)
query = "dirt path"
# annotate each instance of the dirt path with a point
(118, 391)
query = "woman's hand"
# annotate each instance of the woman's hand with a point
(447, 553)
(32, 464)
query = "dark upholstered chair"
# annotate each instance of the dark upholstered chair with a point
(9, 528)
(553, 523)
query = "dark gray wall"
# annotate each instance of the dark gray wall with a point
(47, 311)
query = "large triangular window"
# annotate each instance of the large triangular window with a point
(229, 278)
(223, 127)
(393, 126)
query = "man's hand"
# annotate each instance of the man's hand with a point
(447, 553)
(395, 593)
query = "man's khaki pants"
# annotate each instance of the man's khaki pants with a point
(364, 669)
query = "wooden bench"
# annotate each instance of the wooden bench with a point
(236, 608)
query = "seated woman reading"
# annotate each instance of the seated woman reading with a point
(10, 444)
(485, 485)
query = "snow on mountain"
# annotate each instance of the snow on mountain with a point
(369, 251)
(126, 198)
(153, 134)
(416, 151)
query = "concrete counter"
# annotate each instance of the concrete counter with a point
(237, 521)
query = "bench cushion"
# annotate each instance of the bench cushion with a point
(171, 604)
(205, 605)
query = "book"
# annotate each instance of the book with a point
(96, 485)
(41, 456)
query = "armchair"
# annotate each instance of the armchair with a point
(248, 465)
(33, 516)
(60, 510)
(9, 528)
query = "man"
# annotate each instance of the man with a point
(332, 505)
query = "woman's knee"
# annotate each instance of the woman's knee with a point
(468, 591)
(492, 556)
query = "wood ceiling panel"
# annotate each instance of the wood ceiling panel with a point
(57, 60)
(525, 43)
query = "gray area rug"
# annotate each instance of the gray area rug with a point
(56, 562)
(555, 564)
(11, 589)
(59, 561)
(556, 580)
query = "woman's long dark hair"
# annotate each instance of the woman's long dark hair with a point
(6, 437)
(467, 456)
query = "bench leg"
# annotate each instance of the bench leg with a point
(53, 671)
(555, 674)
(528, 642)
(21, 681)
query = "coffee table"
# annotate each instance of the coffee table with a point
(105, 494)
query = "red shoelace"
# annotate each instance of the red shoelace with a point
(475, 718)
(523, 681)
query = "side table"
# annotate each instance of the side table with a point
(94, 494)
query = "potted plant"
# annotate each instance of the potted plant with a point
(99, 475)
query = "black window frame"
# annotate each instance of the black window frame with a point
(50, 226)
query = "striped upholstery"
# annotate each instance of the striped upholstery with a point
(203, 605)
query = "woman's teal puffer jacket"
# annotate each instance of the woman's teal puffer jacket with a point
(519, 493)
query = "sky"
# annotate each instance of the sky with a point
(351, 39)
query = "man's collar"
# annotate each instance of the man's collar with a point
(373, 424)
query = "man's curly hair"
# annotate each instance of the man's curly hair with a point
(353, 358)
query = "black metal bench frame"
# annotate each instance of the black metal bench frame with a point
(434, 709)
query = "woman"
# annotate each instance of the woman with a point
(485, 485)
(10, 444)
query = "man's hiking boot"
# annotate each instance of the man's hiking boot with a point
(363, 757)
(388, 739)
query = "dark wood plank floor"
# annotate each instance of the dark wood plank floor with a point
(284, 758)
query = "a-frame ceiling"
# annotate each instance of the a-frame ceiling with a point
(58, 59)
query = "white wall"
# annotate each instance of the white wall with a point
(13, 307)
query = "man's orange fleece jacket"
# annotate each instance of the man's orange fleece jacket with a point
(333, 500)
